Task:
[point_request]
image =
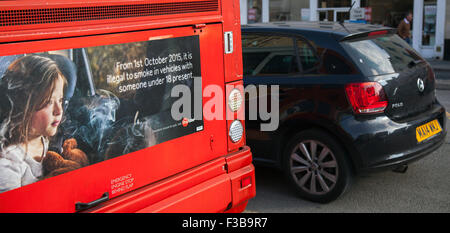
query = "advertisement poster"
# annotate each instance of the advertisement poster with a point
(67, 109)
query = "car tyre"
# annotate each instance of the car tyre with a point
(317, 166)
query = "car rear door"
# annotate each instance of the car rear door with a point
(268, 59)
(406, 77)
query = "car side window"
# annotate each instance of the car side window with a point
(280, 64)
(308, 57)
(268, 55)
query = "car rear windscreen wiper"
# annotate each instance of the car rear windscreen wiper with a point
(415, 63)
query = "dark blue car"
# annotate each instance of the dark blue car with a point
(353, 98)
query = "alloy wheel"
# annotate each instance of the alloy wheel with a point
(314, 167)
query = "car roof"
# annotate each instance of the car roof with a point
(335, 28)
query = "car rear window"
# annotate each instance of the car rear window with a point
(381, 55)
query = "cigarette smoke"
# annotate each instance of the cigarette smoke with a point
(93, 121)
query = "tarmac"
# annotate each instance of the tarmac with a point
(442, 71)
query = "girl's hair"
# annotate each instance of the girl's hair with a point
(26, 87)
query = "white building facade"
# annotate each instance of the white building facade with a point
(430, 28)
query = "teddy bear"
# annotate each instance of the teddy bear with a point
(71, 159)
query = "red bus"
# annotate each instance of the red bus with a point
(87, 96)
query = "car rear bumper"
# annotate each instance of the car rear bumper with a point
(380, 143)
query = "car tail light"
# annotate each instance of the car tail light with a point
(377, 33)
(431, 74)
(366, 98)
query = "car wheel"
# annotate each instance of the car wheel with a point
(317, 166)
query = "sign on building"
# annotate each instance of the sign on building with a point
(358, 14)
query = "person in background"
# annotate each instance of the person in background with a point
(404, 28)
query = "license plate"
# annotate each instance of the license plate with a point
(428, 130)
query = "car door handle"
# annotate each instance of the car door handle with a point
(79, 206)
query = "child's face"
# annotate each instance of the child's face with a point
(45, 122)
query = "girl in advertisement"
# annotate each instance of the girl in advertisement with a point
(31, 97)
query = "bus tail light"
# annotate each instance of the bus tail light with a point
(246, 182)
(235, 100)
(235, 115)
(236, 131)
